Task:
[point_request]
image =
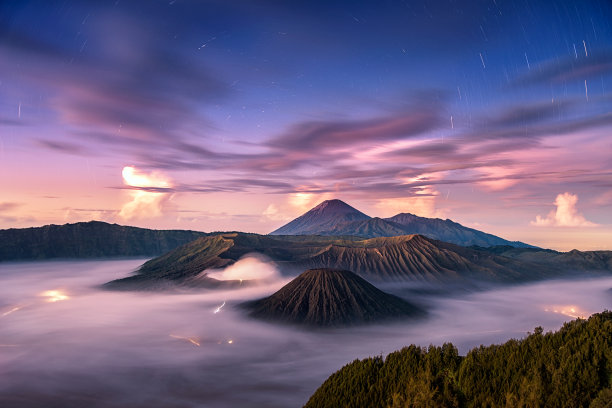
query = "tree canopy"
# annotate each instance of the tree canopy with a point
(569, 368)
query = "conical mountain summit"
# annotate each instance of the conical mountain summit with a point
(324, 217)
(330, 297)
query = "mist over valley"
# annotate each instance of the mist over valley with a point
(65, 338)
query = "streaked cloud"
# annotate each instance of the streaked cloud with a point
(325, 135)
(8, 206)
(569, 68)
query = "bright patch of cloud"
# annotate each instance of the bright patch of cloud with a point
(423, 204)
(250, 267)
(146, 200)
(136, 178)
(566, 214)
(303, 202)
(274, 213)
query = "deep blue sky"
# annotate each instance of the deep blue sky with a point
(483, 111)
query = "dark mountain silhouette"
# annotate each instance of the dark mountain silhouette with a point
(323, 217)
(92, 239)
(330, 297)
(403, 258)
(574, 259)
(449, 231)
(336, 218)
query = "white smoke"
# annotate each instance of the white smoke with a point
(251, 267)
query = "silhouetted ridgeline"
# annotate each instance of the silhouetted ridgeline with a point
(92, 239)
(573, 260)
(569, 368)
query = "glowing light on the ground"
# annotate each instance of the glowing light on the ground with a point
(218, 309)
(54, 295)
(568, 310)
(191, 340)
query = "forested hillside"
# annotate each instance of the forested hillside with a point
(569, 368)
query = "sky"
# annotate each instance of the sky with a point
(241, 115)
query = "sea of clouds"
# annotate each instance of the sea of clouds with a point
(66, 342)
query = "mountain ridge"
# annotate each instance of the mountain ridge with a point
(92, 239)
(319, 222)
(412, 258)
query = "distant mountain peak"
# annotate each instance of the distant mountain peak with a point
(334, 205)
(325, 216)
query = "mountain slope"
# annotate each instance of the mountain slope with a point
(92, 239)
(336, 218)
(403, 258)
(329, 297)
(574, 259)
(415, 257)
(324, 216)
(370, 228)
(449, 231)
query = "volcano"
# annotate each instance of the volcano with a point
(330, 298)
(324, 217)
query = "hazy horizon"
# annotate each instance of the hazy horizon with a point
(316, 204)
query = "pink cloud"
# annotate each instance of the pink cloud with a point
(423, 204)
(566, 214)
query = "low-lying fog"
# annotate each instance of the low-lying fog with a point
(66, 343)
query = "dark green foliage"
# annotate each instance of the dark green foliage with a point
(92, 239)
(603, 400)
(570, 368)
